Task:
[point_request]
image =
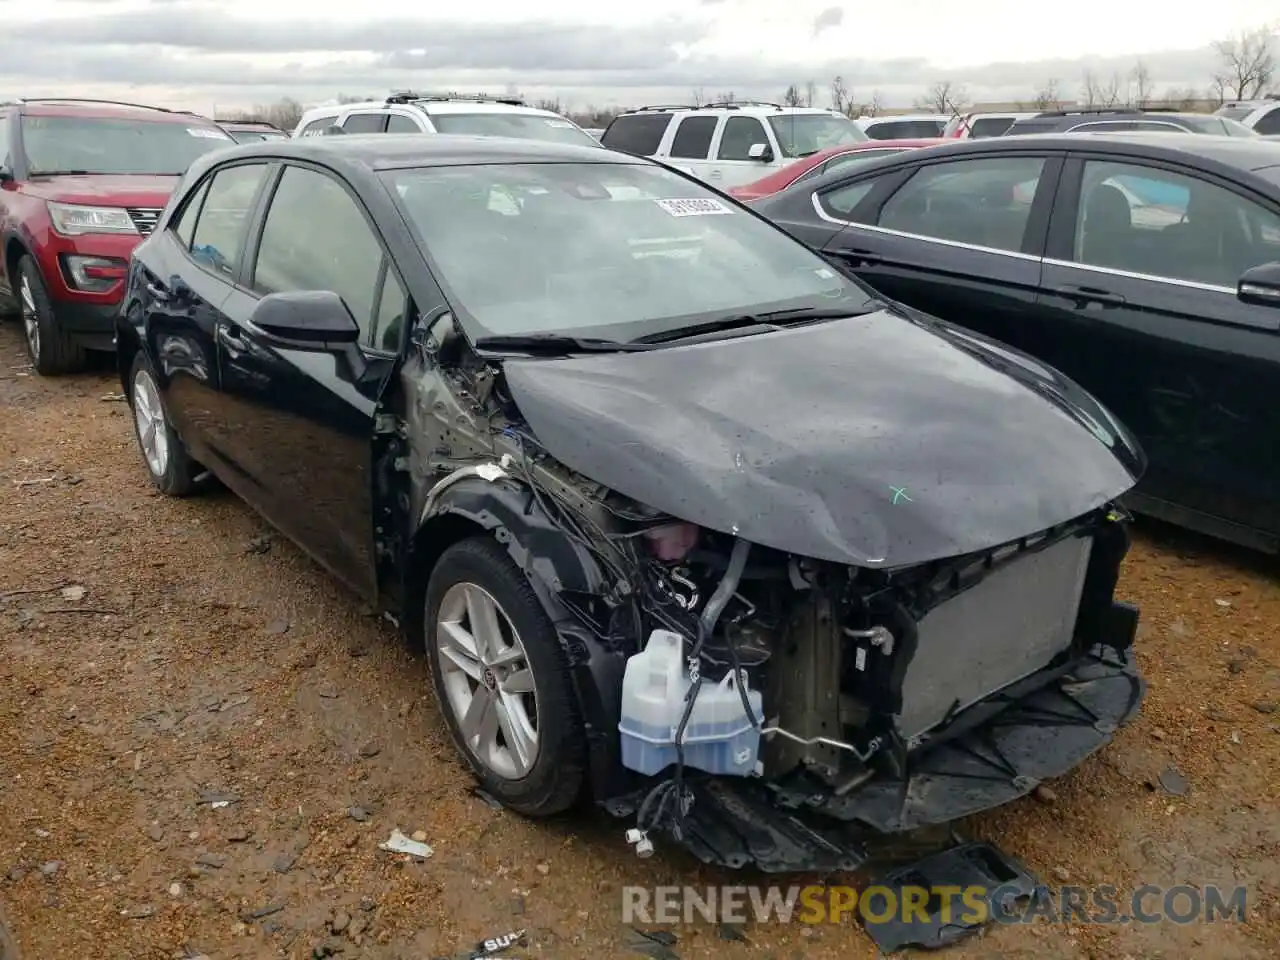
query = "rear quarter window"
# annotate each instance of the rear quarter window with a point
(638, 133)
(990, 126)
(318, 125)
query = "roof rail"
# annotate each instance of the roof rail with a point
(713, 105)
(411, 96)
(1087, 110)
(114, 103)
(250, 123)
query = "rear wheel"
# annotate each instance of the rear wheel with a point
(502, 680)
(52, 351)
(162, 451)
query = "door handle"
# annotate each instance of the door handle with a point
(229, 337)
(715, 174)
(158, 293)
(1086, 294)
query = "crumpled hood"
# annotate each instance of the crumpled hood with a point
(105, 190)
(875, 441)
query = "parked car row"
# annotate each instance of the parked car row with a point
(1145, 267)
(666, 472)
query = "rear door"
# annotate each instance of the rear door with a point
(690, 148)
(190, 273)
(301, 421)
(1139, 287)
(960, 239)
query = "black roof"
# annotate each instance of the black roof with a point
(382, 152)
(1244, 153)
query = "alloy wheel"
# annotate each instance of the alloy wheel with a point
(488, 680)
(148, 414)
(30, 318)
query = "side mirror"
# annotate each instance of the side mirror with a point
(760, 151)
(317, 318)
(6, 175)
(1260, 285)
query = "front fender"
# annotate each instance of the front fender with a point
(554, 565)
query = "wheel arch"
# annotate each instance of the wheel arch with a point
(505, 509)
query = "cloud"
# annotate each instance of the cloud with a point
(828, 18)
(192, 55)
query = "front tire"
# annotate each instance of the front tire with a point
(163, 452)
(502, 680)
(52, 351)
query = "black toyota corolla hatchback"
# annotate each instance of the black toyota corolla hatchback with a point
(689, 522)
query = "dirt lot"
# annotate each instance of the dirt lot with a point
(159, 655)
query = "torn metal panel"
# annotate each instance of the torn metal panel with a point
(938, 919)
(883, 443)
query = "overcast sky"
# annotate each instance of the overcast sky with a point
(200, 54)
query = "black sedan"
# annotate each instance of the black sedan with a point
(1145, 267)
(687, 521)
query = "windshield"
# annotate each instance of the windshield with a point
(525, 126)
(1234, 113)
(94, 145)
(607, 250)
(800, 134)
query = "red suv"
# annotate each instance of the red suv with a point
(81, 183)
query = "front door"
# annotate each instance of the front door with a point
(733, 165)
(1139, 287)
(301, 421)
(957, 239)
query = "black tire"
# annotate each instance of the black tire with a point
(54, 351)
(177, 478)
(554, 783)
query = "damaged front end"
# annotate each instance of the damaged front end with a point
(761, 705)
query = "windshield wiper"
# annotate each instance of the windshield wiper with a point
(773, 319)
(556, 344)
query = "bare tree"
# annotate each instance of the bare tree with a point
(553, 105)
(792, 98)
(944, 97)
(1183, 98)
(1046, 97)
(1100, 93)
(699, 97)
(810, 93)
(1248, 63)
(871, 108)
(840, 95)
(1140, 85)
(1218, 90)
(285, 113)
(728, 97)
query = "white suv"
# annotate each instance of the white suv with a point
(729, 144)
(426, 113)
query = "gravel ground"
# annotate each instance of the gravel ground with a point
(203, 739)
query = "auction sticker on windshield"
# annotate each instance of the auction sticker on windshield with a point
(694, 207)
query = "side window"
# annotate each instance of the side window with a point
(739, 135)
(316, 238)
(1268, 123)
(841, 201)
(186, 222)
(984, 202)
(693, 137)
(1165, 224)
(5, 159)
(318, 125)
(636, 133)
(388, 322)
(218, 238)
(365, 123)
(399, 123)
